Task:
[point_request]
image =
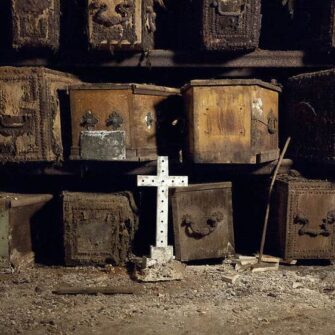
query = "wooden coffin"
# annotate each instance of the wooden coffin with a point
(315, 23)
(203, 221)
(302, 220)
(121, 24)
(30, 127)
(227, 25)
(18, 214)
(129, 122)
(35, 23)
(98, 228)
(231, 121)
(311, 116)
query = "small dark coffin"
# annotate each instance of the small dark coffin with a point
(124, 122)
(315, 23)
(227, 25)
(98, 228)
(302, 220)
(121, 24)
(311, 116)
(30, 126)
(231, 121)
(203, 221)
(35, 24)
(18, 214)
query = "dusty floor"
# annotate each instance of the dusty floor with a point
(293, 300)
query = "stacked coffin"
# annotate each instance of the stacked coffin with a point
(129, 122)
(227, 122)
(207, 122)
(30, 124)
(138, 25)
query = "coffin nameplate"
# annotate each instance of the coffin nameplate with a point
(103, 145)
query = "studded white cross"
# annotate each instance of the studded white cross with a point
(162, 181)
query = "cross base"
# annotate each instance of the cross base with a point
(172, 270)
(158, 255)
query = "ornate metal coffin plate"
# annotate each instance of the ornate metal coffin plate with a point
(103, 145)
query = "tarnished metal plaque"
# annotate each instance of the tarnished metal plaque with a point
(103, 145)
(302, 224)
(35, 23)
(98, 228)
(202, 221)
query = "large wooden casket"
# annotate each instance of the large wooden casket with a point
(232, 121)
(129, 122)
(98, 228)
(35, 23)
(121, 24)
(30, 127)
(302, 220)
(18, 214)
(203, 221)
(311, 116)
(227, 25)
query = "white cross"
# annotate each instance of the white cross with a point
(162, 181)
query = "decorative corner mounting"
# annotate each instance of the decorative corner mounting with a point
(114, 120)
(88, 120)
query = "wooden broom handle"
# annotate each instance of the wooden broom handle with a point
(274, 177)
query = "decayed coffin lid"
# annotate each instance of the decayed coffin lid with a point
(146, 89)
(231, 82)
(201, 187)
(35, 23)
(14, 200)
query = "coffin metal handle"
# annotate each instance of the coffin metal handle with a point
(13, 121)
(307, 108)
(99, 12)
(220, 6)
(201, 230)
(324, 226)
(272, 124)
